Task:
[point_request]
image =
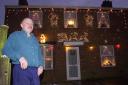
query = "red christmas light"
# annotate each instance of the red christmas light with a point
(117, 46)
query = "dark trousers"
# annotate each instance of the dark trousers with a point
(25, 77)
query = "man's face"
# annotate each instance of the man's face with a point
(27, 25)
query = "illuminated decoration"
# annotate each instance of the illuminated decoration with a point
(88, 10)
(62, 37)
(121, 10)
(107, 61)
(83, 37)
(125, 20)
(103, 20)
(42, 38)
(88, 20)
(111, 10)
(91, 48)
(53, 18)
(105, 41)
(117, 46)
(37, 18)
(74, 36)
(70, 19)
(107, 56)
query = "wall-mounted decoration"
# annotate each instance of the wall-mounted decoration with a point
(107, 56)
(42, 38)
(62, 37)
(70, 19)
(53, 18)
(83, 37)
(36, 16)
(88, 20)
(74, 36)
(103, 20)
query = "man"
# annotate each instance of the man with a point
(24, 51)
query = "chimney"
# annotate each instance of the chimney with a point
(106, 3)
(23, 3)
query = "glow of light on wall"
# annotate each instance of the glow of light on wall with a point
(91, 48)
(67, 48)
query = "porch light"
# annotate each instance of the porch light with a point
(91, 48)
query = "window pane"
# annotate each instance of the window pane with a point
(73, 63)
(106, 50)
(48, 64)
(107, 56)
(70, 19)
(48, 56)
(73, 71)
(103, 20)
(72, 57)
(48, 51)
(37, 18)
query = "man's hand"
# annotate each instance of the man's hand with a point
(23, 63)
(40, 70)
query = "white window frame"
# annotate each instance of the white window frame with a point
(45, 56)
(112, 55)
(70, 15)
(78, 63)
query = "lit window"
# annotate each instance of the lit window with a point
(37, 18)
(107, 56)
(70, 19)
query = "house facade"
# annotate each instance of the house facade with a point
(77, 43)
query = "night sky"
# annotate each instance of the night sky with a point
(62, 3)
